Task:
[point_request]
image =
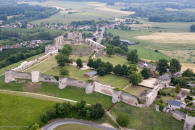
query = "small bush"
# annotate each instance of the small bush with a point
(64, 72)
(122, 120)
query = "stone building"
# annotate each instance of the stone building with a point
(75, 37)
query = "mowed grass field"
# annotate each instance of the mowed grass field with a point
(147, 118)
(18, 112)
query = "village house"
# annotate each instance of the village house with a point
(91, 74)
(173, 105)
(128, 42)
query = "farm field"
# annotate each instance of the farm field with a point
(79, 11)
(21, 111)
(75, 127)
(178, 44)
(147, 118)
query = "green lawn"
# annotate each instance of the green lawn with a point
(19, 111)
(115, 81)
(77, 94)
(73, 93)
(135, 90)
(147, 118)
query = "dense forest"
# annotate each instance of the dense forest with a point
(10, 56)
(159, 12)
(12, 36)
(11, 12)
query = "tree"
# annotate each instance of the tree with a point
(115, 41)
(90, 63)
(108, 67)
(132, 57)
(192, 28)
(117, 69)
(64, 72)
(177, 88)
(109, 50)
(79, 63)
(175, 66)
(122, 120)
(35, 126)
(132, 69)
(97, 111)
(67, 50)
(146, 73)
(101, 71)
(135, 78)
(124, 70)
(162, 66)
(188, 73)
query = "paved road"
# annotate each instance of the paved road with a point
(53, 125)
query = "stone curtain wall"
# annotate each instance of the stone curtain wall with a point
(34, 76)
(108, 90)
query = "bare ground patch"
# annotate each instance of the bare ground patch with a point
(186, 66)
(32, 87)
(176, 38)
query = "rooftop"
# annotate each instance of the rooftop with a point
(174, 103)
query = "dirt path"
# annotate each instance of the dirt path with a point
(37, 96)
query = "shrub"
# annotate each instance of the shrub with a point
(64, 72)
(122, 120)
(35, 126)
(146, 73)
(188, 73)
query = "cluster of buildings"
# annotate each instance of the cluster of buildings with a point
(17, 25)
(28, 44)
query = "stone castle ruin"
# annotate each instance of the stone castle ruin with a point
(75, 37)
(117, 96)
(36, 76)
(59, 43)
(95, 46)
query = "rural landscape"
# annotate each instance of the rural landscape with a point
(97, 64)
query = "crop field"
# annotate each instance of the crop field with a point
(171, 38)
(147, 118)
(79, 11)
(180, 45)
(20, 112)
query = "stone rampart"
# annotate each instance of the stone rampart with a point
(104, 89)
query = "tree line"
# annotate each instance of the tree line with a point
(24, 12)
(10, 56)
(79, 110)
(13, 36)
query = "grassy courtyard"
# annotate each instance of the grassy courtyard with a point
(147, 118)
(115, 81)
(136, 90)
(20, 112)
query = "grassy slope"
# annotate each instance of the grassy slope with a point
(147, 118)
(21, 111)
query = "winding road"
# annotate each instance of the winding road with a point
(53, 125)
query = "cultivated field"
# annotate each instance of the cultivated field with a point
(80, 11)
(172, 38)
